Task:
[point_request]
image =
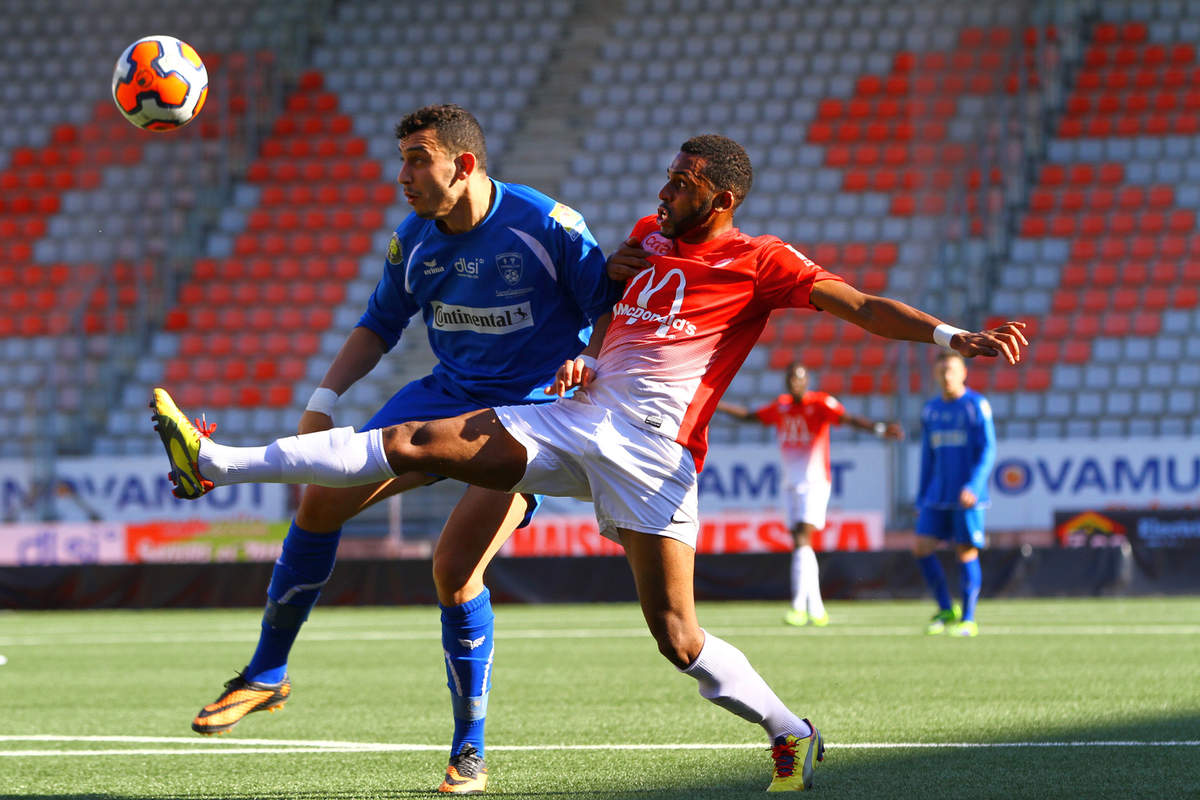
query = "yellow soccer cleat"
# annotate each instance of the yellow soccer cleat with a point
(796, 617)
(944, 620)
(819, 622)
(466, 773)
(784, 751)
(967, 628)
(182, 441)
(241, 697)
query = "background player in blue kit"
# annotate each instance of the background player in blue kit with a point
(508, 283)
(958, 449)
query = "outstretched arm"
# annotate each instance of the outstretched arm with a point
(884, 430)
(895, 320)
(740, 412)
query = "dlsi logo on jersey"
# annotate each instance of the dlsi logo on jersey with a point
(670, 324)
(498, 320)
(468, 267)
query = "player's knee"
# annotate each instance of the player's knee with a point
(324, 509)
(678, 641)
(398, 445)
(451, 572)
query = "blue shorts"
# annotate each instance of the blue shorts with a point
(426, 399)
(958, 525)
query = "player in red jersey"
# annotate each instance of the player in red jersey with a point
(633, 438)
(802, 420)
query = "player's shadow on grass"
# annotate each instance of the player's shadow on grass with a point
(1135, 763)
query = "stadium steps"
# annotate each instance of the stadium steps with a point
(1108, 248)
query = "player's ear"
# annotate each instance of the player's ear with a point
(465, 164)
(723, 201)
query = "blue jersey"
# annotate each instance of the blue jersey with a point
(505, 303)
(958, 448)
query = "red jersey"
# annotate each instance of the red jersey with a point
(684, 326)
(803, 430)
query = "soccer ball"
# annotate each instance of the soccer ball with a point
(159, 83)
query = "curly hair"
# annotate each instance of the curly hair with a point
(456, 128)
(726, 167)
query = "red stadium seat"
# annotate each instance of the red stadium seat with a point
(1077, 352)
(1125, 299)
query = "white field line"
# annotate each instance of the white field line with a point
(193, 746)
(434, 635)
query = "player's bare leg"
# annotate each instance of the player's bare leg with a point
(807, 606)
(663, 571)
(477, 528)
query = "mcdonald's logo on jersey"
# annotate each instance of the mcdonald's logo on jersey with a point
(674, 285)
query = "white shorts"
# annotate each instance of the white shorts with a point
(807, 502)
(635, 479)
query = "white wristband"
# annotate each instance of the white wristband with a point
(322, 401)
(588, 361)
(943, 333)
(879, 428)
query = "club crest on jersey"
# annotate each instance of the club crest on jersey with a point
(656, 243)
(395, 254)
(511, 265)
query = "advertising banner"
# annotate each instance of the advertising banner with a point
(720, 532)
(127, 489)
(192, 541)
(1152, 528)
(1033, 478)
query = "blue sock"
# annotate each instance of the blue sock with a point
(468, 647)
(300, 571)
(935, 578)
(972, 580)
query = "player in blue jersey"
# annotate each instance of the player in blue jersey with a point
(958, 449)
(508, 283)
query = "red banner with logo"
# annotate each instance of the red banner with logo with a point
(726, 532)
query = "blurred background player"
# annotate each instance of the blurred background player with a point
(958, 447)
(508, 283)
(802, 420)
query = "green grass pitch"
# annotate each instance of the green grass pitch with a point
(1094, 698)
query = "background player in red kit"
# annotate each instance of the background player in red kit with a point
(634, 436)
(802, 420)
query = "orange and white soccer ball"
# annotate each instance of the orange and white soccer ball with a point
(160, 83)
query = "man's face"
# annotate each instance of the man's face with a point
(950, 374)
(797, 381)
(428, 175)
(685, 199)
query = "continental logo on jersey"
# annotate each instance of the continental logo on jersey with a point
(570, 219)
(948, 438)
(498, 320)
(656, 243)
(395, 254)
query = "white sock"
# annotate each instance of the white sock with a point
(337, 457)
(798, 580)
(727, 679)
(811, 581)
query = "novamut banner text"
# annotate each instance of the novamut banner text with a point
(127, 489)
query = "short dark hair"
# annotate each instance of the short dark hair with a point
(726, 165)
(456, 128)
(945, 354)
